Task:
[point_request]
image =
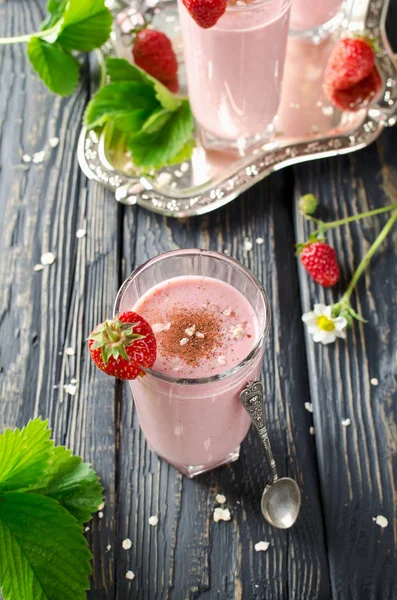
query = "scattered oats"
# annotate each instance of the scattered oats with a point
(38, 267)
(190, 330)
(259, 241)
(70, 388)
(153, 520)
(228, 311)
(86, 529)
(222, 360)
(177, 173)
(262, 546)
(70, 351)
(164, 179)
(26, 158)
(237, 331)
(108, 547)
(80, 233)
(73, 381)
(312, 432)
(130, 575)
(48, 258)
(54, 141)
(247, 242)
(327, 111)
(159, 327)
(218, 515)
(220, 498)
(183, 341)
(309, 406)
(101, 506)
(184, 167)
(200, 335)
(100, 515)
(226, 251)
(127, 544)
(374, 381)
(381, 521)
(315, 129)
(226, 514)
(346, 422)
(38, 157)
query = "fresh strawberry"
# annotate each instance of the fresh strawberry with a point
(206, 12)
(351, 60)
(320, 262)
(359, 95)
(123, 346)
(153, 52)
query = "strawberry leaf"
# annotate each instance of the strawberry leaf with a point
(24, 456)
(55, 9)
(74, 484)
(58, 69)
(43, 553)
(86, 25)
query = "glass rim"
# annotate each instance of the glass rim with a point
(252, 6)
(214, 254)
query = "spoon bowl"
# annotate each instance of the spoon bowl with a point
(281, 501)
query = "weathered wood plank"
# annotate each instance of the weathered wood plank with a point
(187, 555)
(357, 464)
(41, 313)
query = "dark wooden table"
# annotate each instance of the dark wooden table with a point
(347, 474)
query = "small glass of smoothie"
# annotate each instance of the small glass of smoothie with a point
(235, 69)
(211, 318)
(315, 19)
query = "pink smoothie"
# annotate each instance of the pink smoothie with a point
(310, 14)
(234, 69)
(204, 327)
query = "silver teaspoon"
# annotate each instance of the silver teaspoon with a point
(281, 499)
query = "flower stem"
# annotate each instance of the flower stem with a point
(20, 39)
(367, 258)
(334, 224)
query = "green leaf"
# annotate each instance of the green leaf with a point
(128, 104)
(120, 69)
(24, 456)
(55, 9)
(86, 25)
(156, 121)
(166, 98)
(162, 147)
(185, 153)
(73, 484)
(55, 66)
(43, 553)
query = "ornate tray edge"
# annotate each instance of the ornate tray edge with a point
(131, 191)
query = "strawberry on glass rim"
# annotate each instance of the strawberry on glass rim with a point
(206, 13)
(124, 346)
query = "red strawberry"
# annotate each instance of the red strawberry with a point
(206, 12)
(351, 60)
(123, 346)
(320, 262)
(153, 52)
(359, 95)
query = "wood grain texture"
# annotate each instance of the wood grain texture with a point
(41, 313)
(188, 555)
(357, 464)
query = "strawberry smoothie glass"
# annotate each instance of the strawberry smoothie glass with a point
(315, 19)
(190, 411)
(234, 71)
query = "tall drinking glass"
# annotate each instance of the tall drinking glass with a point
(235, 69)
(196, 423)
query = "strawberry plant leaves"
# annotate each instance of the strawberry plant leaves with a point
(86, 25)
(43, 553)
(24, 456)
(128, 104)
(55, 9)
(55, 66)
(161, 148)
(73, 484)
(156, 121)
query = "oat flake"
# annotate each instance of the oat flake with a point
(220, 498)
(381, 521)
(309, 406)
(130, 575)
(127, 544)
(247, 245)
(70, 389)
(48, 258)
(262, 546)
(70, 351)
(54, 141)
(153, 520)
(346, 422)
(311, 430)
(374, 381)
(26, 158)
(80, 233)
(38, 267)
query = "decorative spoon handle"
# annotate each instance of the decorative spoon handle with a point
(252, 399)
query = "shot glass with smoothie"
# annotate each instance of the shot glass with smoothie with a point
(234, 70)
(210, 316)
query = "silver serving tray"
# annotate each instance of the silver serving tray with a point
(307, 127)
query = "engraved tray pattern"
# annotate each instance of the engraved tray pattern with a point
(182, 199)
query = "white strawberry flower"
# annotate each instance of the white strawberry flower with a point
(323, 326)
